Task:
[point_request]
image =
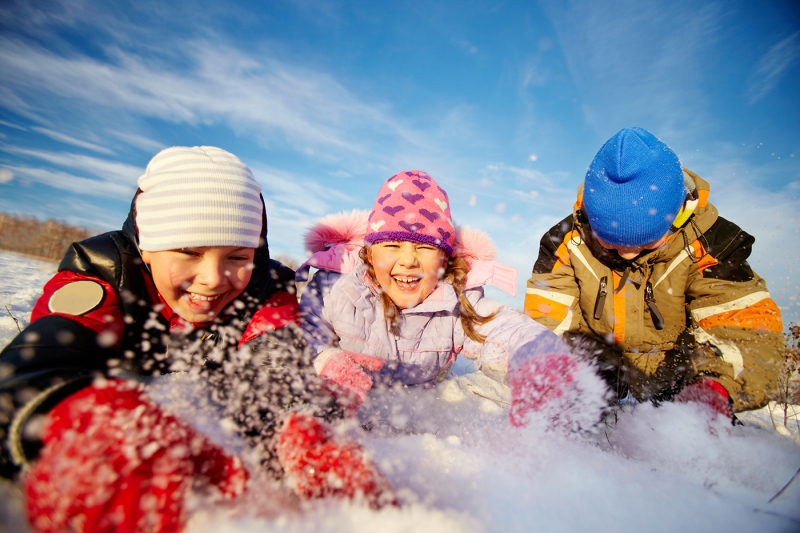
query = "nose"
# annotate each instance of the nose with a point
(408, 255)
(211, 273)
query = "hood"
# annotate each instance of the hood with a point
(335, 241)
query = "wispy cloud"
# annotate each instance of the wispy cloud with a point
(638, 63)
(66, 139)
(109, 171)
(139, 141)
(222, 85)
(770, 68)
(69, 182)
(12, 125)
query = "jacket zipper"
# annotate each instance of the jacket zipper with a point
(650, 300)
(600, 301)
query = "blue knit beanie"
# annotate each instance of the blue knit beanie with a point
(633, 189)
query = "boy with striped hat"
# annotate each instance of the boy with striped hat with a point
(186, 285)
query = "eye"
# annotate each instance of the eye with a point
(239, 258)
(191, 253)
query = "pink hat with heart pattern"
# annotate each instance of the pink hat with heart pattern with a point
(412, 207)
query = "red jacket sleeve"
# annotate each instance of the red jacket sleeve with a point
(94, 304)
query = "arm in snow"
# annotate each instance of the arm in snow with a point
(552, 294)
(731, 310)
(511, 338)
(55, 356)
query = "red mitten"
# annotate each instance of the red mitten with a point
(347, 371)
(319, 464)
(564, 391)
(707, 392)
(538, 383)
(114, 461)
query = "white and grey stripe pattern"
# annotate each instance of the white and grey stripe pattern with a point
(200, 196)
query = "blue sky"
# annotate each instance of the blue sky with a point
(504, 103)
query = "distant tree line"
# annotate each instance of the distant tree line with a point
(47, 239)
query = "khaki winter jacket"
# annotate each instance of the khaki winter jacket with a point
(691, 308)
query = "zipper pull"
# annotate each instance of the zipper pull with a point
(650, 300)
(600, 301)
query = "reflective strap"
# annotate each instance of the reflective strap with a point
(675, 262)
(564, 299)
(574, 248)
(730, 352)
(734, 305)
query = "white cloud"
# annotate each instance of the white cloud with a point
(75, 184)
(12, 125)
(770, 68)
(107, 171)
(71, 140)
(222, 85)
(139, 141)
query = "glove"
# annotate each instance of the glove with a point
(567, 392)
(113, 461)
(709, 393)
(319, 464)
(347, 371)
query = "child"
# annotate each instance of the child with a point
(399, 295)
(647, 271)
(187, 285)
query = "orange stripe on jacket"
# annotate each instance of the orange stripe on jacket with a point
(537, 306)
(763, 315)
(703, 259)
(619, 309)
(562, 252)
(702, 198)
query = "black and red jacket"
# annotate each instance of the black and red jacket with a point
(131, 333)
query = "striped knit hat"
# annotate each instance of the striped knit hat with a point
(200, 196)
(412, 207)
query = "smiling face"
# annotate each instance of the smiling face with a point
(198, 283)
(408, 272)
(631, 252)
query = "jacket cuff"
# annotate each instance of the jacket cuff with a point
(323, 357)
(23, 447)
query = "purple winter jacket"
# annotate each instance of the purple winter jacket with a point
(342, 311)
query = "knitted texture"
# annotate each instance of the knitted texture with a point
(412, 207)
(633, 189)
(200, 196)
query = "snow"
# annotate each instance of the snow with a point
(459, 466)
(21, 282)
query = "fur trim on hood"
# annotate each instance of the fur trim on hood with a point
(335, 240)
(350, 228)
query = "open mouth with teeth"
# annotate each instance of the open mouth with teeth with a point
(200, 303)
(407, 283)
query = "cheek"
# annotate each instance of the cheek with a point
(240, 277)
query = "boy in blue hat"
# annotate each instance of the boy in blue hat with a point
(646, 275)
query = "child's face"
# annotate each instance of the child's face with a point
(632, 252)
(407, 271)
(198, 283)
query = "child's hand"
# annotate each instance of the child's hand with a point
(319, 464)
(562, 390)
(711, 395)
(347, 371)
(113, 461)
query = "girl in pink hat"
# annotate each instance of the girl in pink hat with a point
(399, 294)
